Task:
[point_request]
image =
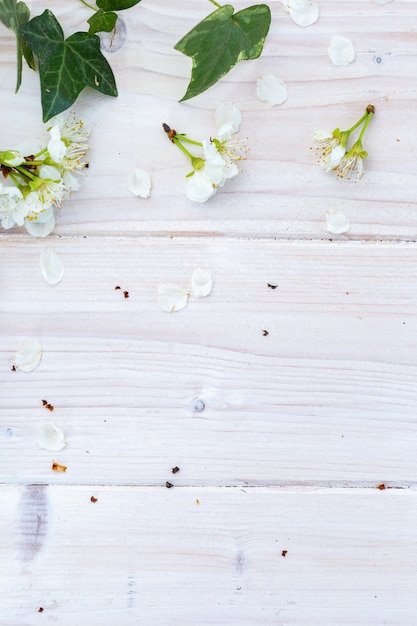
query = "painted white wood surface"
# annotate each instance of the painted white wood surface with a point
(328, 395)
(299, 426)
(282, 192)
(157, 556)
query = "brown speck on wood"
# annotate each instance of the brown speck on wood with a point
(126, 294)
(13, 368)
(381, 487)
(168, 485)
(40, 610)
(272, 286)
(93, 499)
(265, 333)
(284, 552)
(47, 405)
(117, 287)
(58, 468)
(175, 470)
(197, 501)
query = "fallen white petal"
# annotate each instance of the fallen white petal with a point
(172, 298)
(201, 283)
(29, 356)
(51, 266)
(304, 12)
(228, 113)
(140, 183)
(50, 437)
(271, 89)
(337, 223)
(341, 50)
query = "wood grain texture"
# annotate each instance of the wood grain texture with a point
(281, 192)
(328, 396)
(182, 557)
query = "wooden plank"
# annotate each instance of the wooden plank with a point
(328, 396)
(281, 192)
(159, 557)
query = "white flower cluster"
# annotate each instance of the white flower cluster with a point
(38, 183)
(332, 151)
(220, 155)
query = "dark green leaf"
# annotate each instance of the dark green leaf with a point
(13, 15)
(220, 41)
(66, 66)
(116, 5)
(102, 21)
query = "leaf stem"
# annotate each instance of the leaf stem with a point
(88, 5)
(219, 6)
(358, 123)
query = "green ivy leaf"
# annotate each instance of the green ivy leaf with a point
(13, 15)
(220, 41)
(66, 66)
(102, 21)
(116, 5)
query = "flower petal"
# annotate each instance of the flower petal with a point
(51, 266)
(201, 283)
(40, 229)
(341, 50)
(337, 223)
(271, 89)
(172, 298)
(50, 437)
(228, 113)
(140, 183)
(199, 187)
(304, 12)
(29, 357)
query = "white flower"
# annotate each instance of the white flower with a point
(228, 154)
(201, 283)
(50, 437)
(271, 89)
(337, 223)
(172, 298)
(71, 128)
(341, 50)
(351, 166)
(56, 147)
(302, 12)
(49, 186)
(140, 183)
(202, 184)
(52, 267)
(29, 356)
(9, 198)
(329, 149)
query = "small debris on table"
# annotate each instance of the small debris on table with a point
(175, 470)
(93, 499)
(47, 405)
(284, 552)
(57, 467)
(265, 333)
(381, 487)
(168, 485)
(272, 286)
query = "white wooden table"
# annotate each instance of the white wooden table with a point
(282, 438)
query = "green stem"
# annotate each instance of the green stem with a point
(24, 172)
(365, 126)
(185, 138)
(88, 5)
(219, 6)
(181, 147)
(358, 123)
